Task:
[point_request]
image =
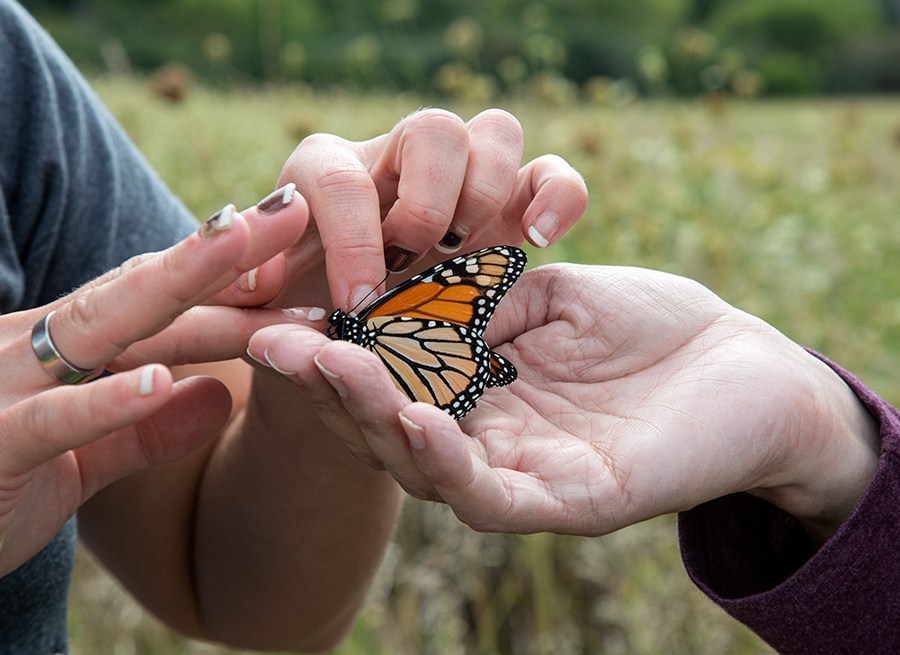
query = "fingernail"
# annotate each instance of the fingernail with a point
(543, 229)
(414, 432)
(257, 359)
(145, 382)
(219, 222)
(359, 295)
(308, 313)
(336, 380)
(271, 362)
(247, 281)
(278, 199)
(398, 259)
(456, 238)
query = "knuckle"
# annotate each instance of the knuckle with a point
(502, 122)
(355, 247)
(440, 126)
(345, 184)
(490, 197)
(437, 117)
(426, 216)
(319, 141)
(84, 310)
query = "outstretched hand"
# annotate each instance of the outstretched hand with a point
(61, 444)
(639, 394)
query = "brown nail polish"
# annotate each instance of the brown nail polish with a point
(277, 200)
(453, 240)
(398, 259)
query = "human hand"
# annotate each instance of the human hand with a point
(639, 394)
(432, 182)
(62, 443)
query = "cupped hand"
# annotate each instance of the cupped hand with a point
(639, 394)
(405, 200)
(59, 444)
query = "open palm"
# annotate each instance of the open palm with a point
(639, 393)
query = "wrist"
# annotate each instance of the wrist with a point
(831, 459)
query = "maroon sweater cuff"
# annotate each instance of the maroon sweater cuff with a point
(757, 563)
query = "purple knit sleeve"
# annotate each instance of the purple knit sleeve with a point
(757, 563)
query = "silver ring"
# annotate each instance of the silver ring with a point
(51, 359)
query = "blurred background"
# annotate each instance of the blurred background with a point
(753, 145)
(483, 48)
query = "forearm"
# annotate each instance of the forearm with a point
(290, 528)
(755, 561)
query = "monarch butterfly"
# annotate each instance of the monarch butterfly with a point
(428, 330)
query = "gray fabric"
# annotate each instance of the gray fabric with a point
(76, 199)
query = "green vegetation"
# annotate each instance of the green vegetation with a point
(786, 209)
(469, 47)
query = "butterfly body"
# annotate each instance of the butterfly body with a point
(428, 330)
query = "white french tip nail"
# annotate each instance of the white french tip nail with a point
(252, 278)
(145, 385)
(537, 238)
(309, 314)
(219, 222)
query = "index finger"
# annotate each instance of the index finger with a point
(98, 322)
(344, 203)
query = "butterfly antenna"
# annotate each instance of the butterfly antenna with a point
(352, 311)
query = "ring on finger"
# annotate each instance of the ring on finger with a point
(51, 359)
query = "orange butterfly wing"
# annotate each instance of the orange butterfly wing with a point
(427, 330)
(464, 290)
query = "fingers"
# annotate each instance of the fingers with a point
(485, 498)
(195, 411)
(369, 396)
(432, 173)
(496, 143)
(291, 351)
(429, 156)
(99, 321)
(331, 174)
(49, 424)
(212, 334)
(549, 197)
(353, 395)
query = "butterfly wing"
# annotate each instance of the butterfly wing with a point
(502, 372)
(464, 290)
(427, 330)
(435, 362)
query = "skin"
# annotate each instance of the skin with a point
(639, 394)
(245, 520)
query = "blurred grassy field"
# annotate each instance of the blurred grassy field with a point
(787, 210)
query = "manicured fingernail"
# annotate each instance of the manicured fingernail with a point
(278, 199)
(145, 383)
(308, 313)
(543, 229)
(415, 433)
(247, 281)
(334, 379)
(398, 259)
(359, 295)
(219, 222)
(456, 238)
